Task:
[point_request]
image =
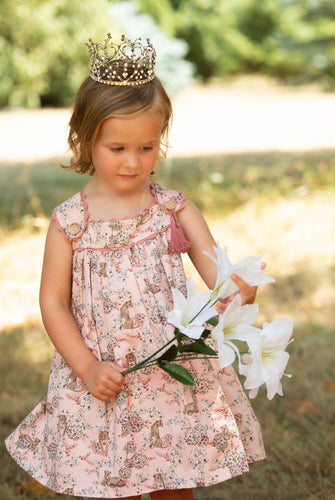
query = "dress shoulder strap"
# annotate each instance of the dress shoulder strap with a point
(169, 198)
(172, 201)
(71, 216)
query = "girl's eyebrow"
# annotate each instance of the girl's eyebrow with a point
(150, 141)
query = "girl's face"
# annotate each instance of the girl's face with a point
(126, 149)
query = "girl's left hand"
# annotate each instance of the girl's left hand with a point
(247, 293)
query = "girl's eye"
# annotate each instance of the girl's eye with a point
(146, 149)
(116, 149)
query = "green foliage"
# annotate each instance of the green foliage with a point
(177, 372)
(43, 57)
(199, 347)
(171, 67)
(288, 39)
(162, 11)
(170, 354)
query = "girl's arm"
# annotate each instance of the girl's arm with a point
(197, 232)
(102, 378)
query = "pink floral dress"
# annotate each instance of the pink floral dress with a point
(157, 433)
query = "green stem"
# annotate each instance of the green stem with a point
(199, 312)
(154, 362)
(144, 363)
(187, 358)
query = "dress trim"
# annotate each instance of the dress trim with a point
(72, 218)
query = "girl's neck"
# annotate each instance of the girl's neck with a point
(104, 203)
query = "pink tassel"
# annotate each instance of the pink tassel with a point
(178, 242)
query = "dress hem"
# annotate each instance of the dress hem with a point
(190, 485)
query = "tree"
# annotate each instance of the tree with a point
(171, 67)
(43, 57)
(287, 39)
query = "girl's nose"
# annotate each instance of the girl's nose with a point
(131, 160)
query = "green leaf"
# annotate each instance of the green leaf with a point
(170, 354)
(177, 372)
(200, 347)
(177, 333)
(213, 321)
(205, 334)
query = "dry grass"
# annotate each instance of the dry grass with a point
(280, 205)
(293, 236)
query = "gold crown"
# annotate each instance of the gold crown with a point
(128, 63)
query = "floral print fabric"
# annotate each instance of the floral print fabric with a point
(157, 433)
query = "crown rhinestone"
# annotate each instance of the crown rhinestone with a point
(125, 64)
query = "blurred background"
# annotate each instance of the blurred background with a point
(252, 144)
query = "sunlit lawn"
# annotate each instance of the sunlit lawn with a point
(278, 204)
(216, 184)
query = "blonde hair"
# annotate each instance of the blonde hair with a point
(95, 102)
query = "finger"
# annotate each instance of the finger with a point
(102, 396)
(111, 386)
(106, 394)
(221, 307)
(115, 381)
(231, 297)
(110, 395)
(245, 290)
(106, 398)
(108, 384)
(263, 265)
(239, 281)
(111, 371)
(117, 368)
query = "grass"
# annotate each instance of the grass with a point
(32, 190)
(225, 182)
(296, 192)
(222, 182)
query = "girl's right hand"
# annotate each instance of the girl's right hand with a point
(103, 379)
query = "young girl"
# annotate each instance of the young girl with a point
(112, 254)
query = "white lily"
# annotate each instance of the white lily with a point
(234, 324)
(248, 269)
(224, 286)
(269, 358)
(189, 314)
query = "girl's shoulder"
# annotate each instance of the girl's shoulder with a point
(169, 198)
(71, 216)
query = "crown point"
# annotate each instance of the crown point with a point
(128, 63)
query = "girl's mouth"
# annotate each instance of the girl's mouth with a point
(128, 176)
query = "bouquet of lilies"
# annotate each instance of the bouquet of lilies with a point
(196, 320)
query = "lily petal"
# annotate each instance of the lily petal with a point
(226, 354)
(249, 269)
(253, 393)
(270, 358)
